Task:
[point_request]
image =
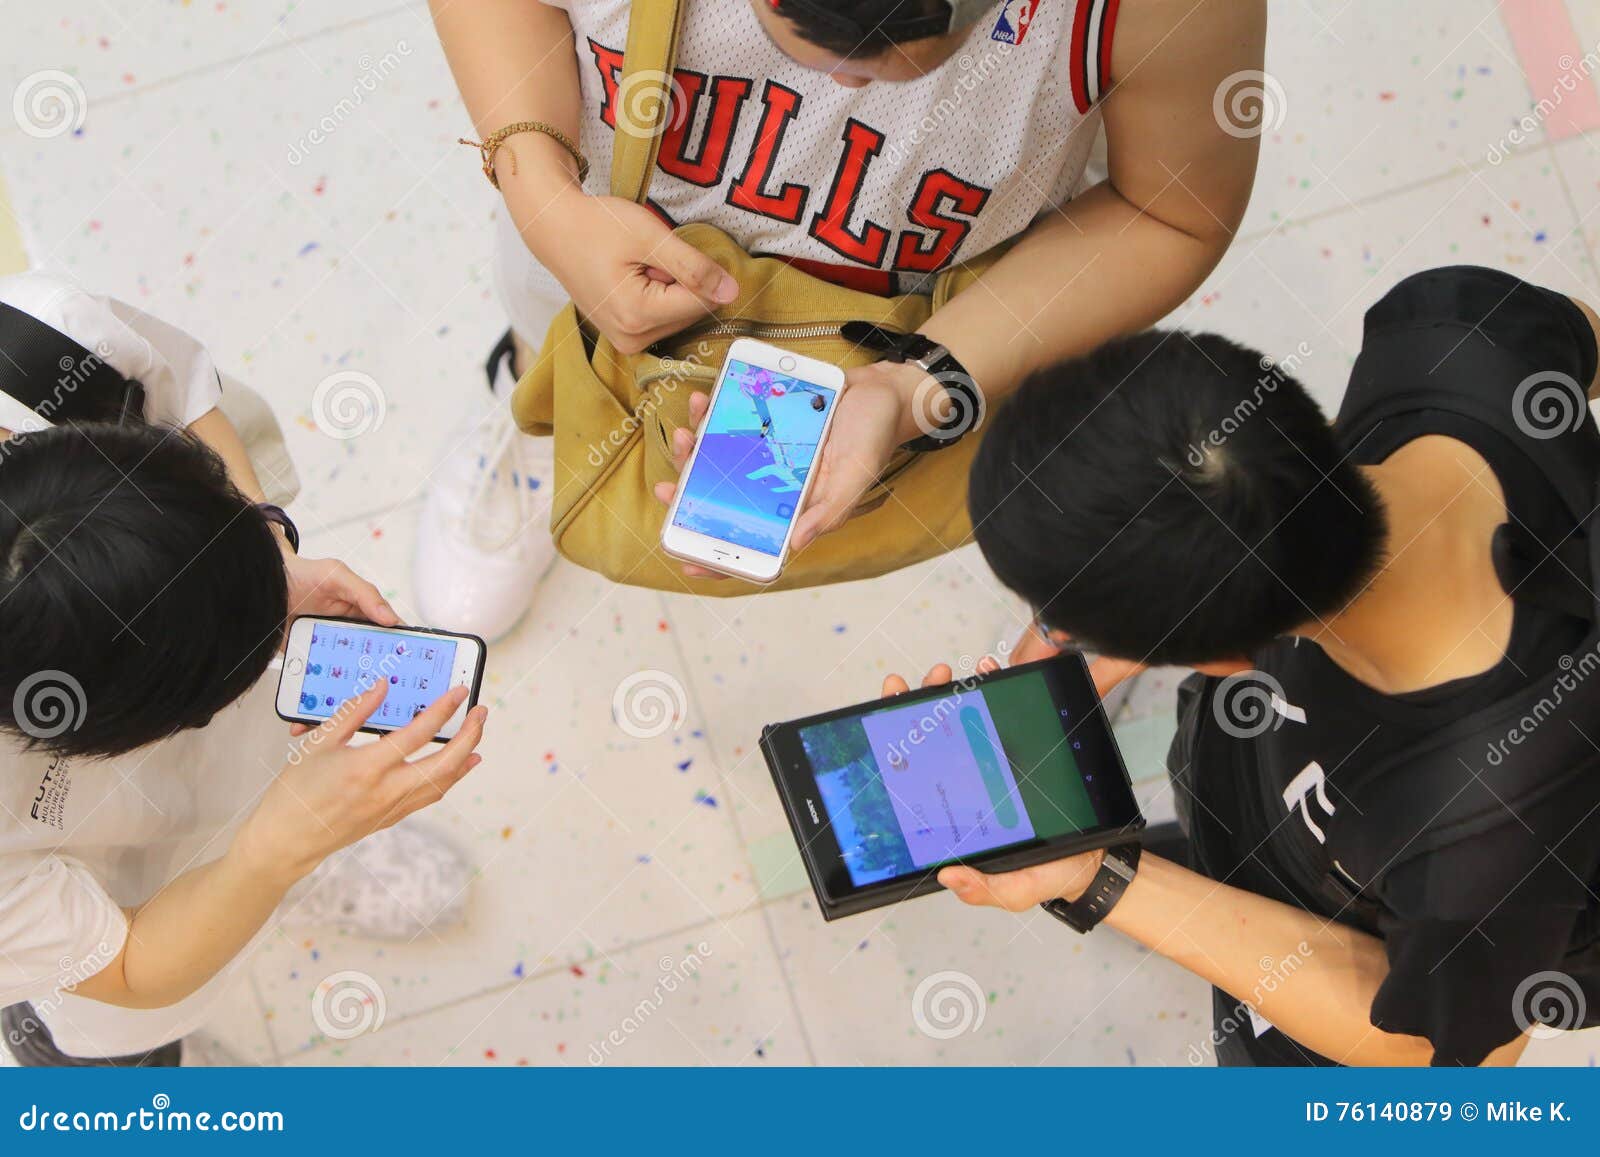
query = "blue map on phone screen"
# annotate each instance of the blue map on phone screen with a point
(345, 660)
(756, 449)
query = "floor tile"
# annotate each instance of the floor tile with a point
(709, 995)
(115, 47)
(362, 257)
(586, 838)
(1358, 106)
(1299, 293)
(930, 982)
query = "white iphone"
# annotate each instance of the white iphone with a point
(330, 661)
(751, 470)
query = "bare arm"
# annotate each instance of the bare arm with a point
(1123, 255)
(1594, 324)
(215, 430)
(332, 797)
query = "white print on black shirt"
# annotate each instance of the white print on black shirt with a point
(1312, 777)
(50, 805)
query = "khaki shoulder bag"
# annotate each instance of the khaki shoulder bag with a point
(613, 414)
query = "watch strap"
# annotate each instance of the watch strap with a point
(964, 403)
(1117, 869)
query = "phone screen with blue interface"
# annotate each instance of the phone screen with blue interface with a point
(911, 785)
(756, 450)
(343, 660)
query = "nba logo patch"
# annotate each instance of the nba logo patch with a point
(1014, 20)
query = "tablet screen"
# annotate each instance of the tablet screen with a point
(910, 785)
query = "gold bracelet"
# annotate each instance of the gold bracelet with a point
(490, 145)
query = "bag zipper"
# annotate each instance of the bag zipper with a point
(763, 330)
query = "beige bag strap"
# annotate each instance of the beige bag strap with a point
(644, 94)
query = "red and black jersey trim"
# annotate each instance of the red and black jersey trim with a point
(1089, 54)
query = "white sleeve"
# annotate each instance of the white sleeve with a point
(58, 927)
(180, 379)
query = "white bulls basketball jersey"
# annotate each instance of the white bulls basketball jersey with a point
(877, 187)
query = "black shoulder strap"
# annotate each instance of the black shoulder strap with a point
(57, 378)
(1559, 580)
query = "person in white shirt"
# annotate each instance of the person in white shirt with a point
(152, 815)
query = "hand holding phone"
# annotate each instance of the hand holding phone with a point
(747, 478)
(331, 794)
(329, 662)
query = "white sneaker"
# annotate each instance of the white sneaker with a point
(394, 885)
(483, 541)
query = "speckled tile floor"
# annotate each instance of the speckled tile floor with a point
(646, 891)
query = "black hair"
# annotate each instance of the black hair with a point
(140, 591)
(1173, 498)
(862, 28)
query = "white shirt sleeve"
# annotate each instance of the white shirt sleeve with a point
(179, 377)
(58, 927)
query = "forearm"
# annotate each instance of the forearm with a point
(216, 431)
(1097, 270)
(513, 60)
(189, 931)
(1313, 979)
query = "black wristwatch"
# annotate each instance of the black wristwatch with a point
(277, 515)
(1116, 873)
(964, 401)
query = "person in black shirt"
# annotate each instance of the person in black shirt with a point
(1178, 499)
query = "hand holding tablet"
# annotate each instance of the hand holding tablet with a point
(1000, 770)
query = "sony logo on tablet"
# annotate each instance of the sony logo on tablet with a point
(812, 808)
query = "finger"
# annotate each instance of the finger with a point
(296, 730)
(968, 886)
(664, 492)
(701, 572)
(894, 685)
(352, 713)
(422, 729)
(940, 673)
(694, 271)
(682, 444)
(699, 407)
(988, 665)
(366, 597)
(426, 794)
(440, 771)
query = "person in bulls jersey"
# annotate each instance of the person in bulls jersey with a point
(872, 142)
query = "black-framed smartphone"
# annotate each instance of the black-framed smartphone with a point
(998, 772)
(328, 661)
